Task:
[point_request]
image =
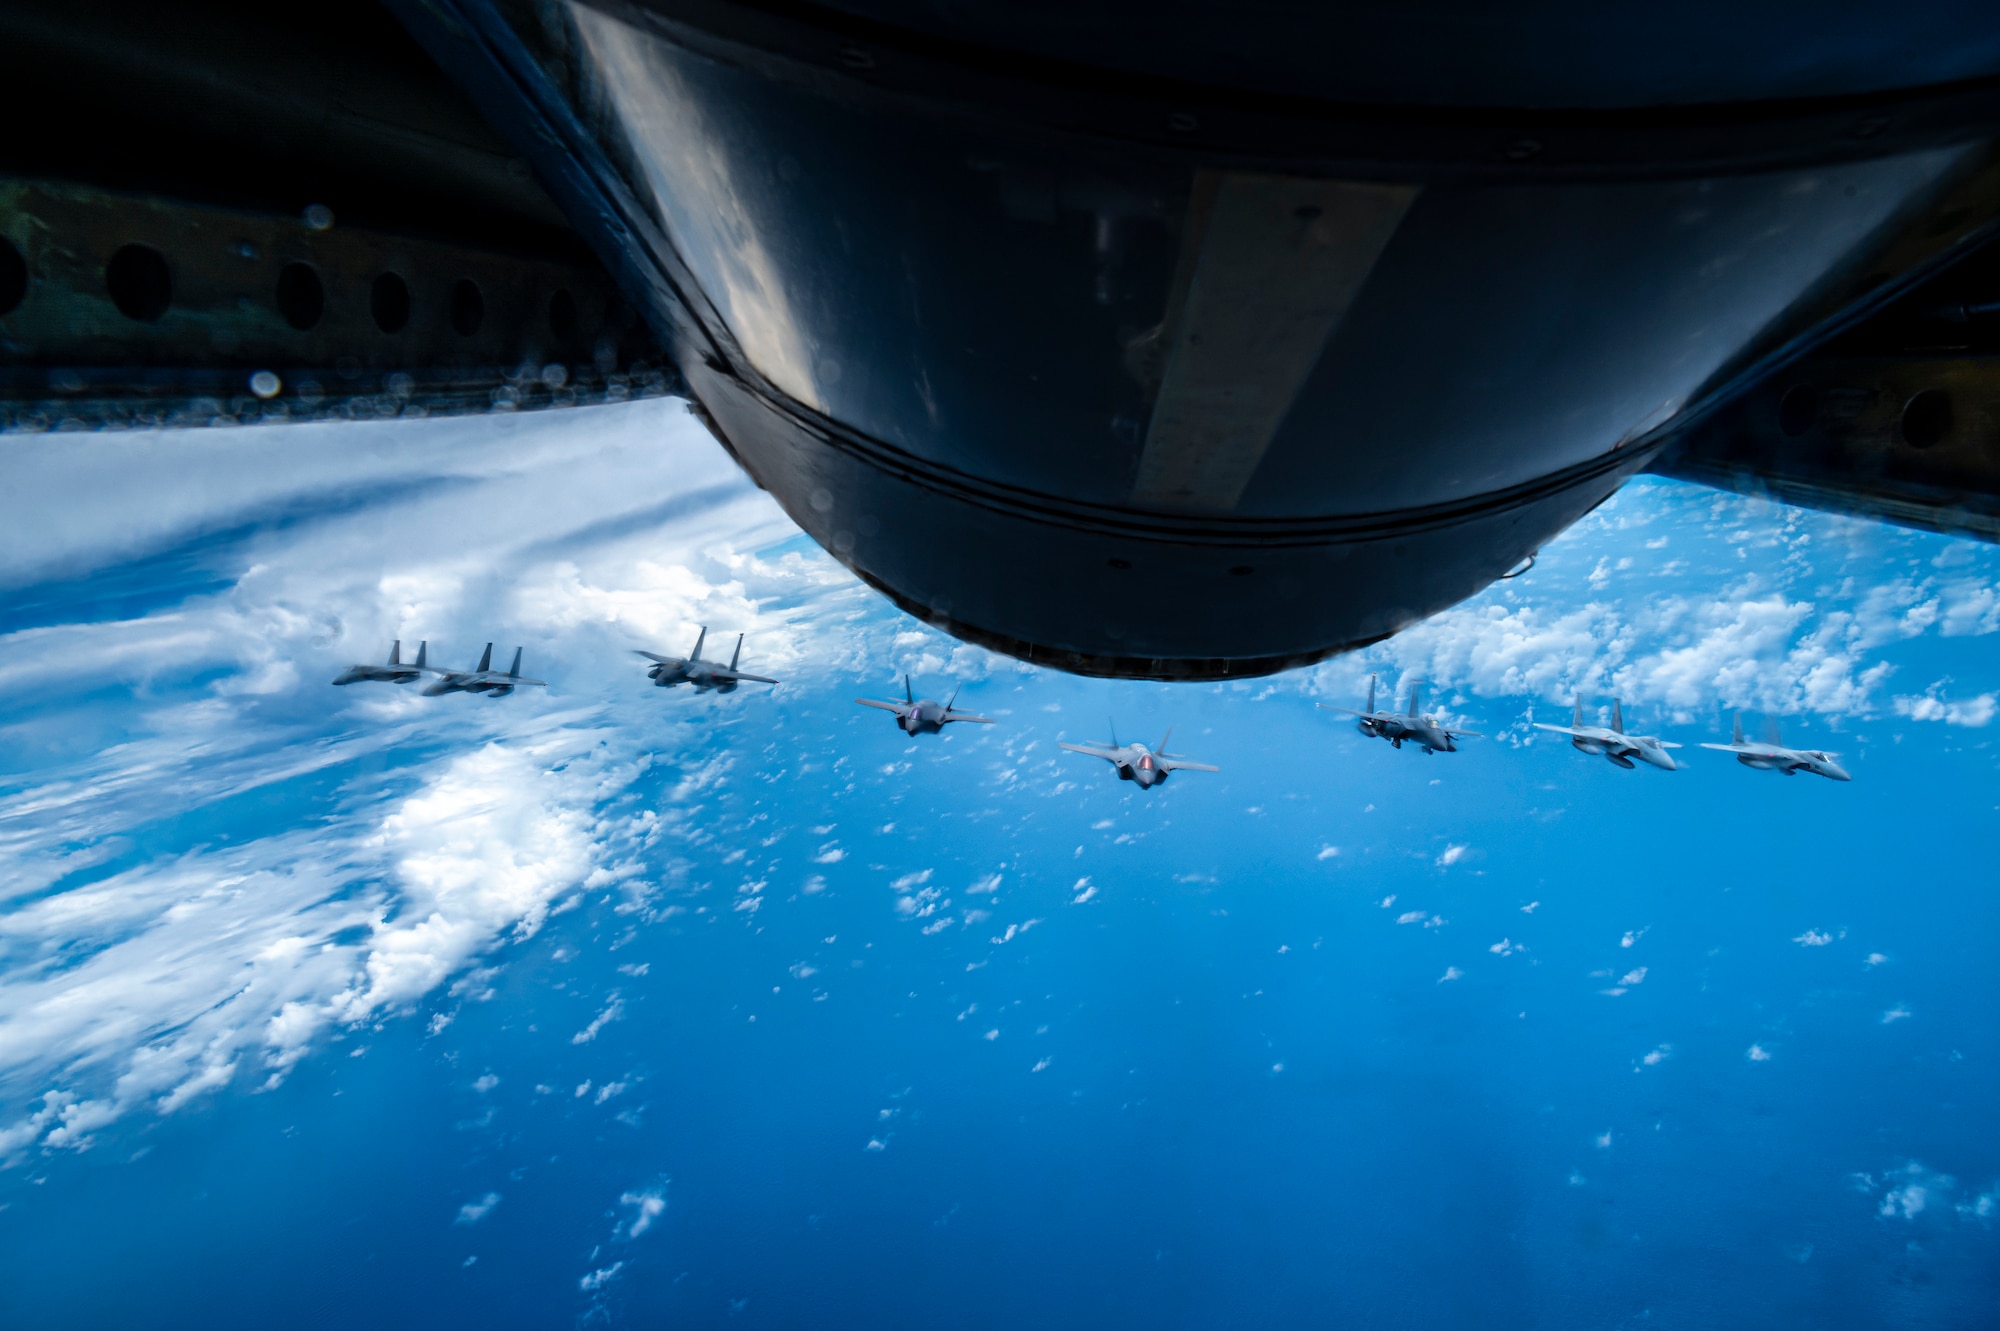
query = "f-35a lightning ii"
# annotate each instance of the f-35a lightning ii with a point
(1410, 725)
(923, 716)
(396, 672)
(483, 679)
(1772, 756)
(667, 671)
(1136, 762)
(1613, 743)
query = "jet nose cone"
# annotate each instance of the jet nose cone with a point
(1837, 772)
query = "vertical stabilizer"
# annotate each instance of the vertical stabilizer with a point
(954, 698)
(514, 671)
(1771, 731)
(1576, 719)
(1738, 738)
(1163, 740)
(908, 696)
(1371, 693)
(1414, 695)
(736, 655)
(699, 639)
(486, 658)
(422, 648)
(1617, 717)
(396, 652)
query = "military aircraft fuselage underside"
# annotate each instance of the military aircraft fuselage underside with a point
(1184, 344)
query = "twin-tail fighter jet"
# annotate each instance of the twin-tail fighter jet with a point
(1772, 756)
(1136, 762)
(483, 679)
(923, 716)
(398, 671)
(1613, 743)
(1396, 727)
(667, 671)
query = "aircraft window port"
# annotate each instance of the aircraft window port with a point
(562, 315)
(468, 307)
(13, 276)
(139, 283)
(1927, 418)
(389, 302)
(301, 297)
(1798, 410)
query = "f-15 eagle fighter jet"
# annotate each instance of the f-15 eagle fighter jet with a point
(923, 716)
(1613, 743)
(483, 679)
(397, 671)
(1396, 727)
(667, 671)
(1771, 756)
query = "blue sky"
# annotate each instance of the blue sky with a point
(801, 1000)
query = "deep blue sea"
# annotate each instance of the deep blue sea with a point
(606, 1004)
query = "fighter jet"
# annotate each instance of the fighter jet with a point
(396, 672)
(1613, 743)
(1772, 756)
(668, 671)
(1407, 725)
(923, 716)
(483, 679)
(1136, 762)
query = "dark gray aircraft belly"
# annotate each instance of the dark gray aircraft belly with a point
(1209, 342)
(1161, 399)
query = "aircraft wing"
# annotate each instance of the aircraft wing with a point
(1667, 744)
(1462, 734)
(1095, 751)
(1754, 750)
(753, 679)
(968, 716)
(897, 707)
(538, 683)
(1561, 730)
(655, 656)
(1179, 764)
(1331, 708)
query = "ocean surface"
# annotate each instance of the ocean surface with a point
(607, 1004)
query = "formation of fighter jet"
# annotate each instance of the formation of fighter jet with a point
(1613, 743)
(923, 716)
(1409, 724)
(1772, 756)
(482, 678)
(397, 671)
(667, 671)
(1136, 762)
